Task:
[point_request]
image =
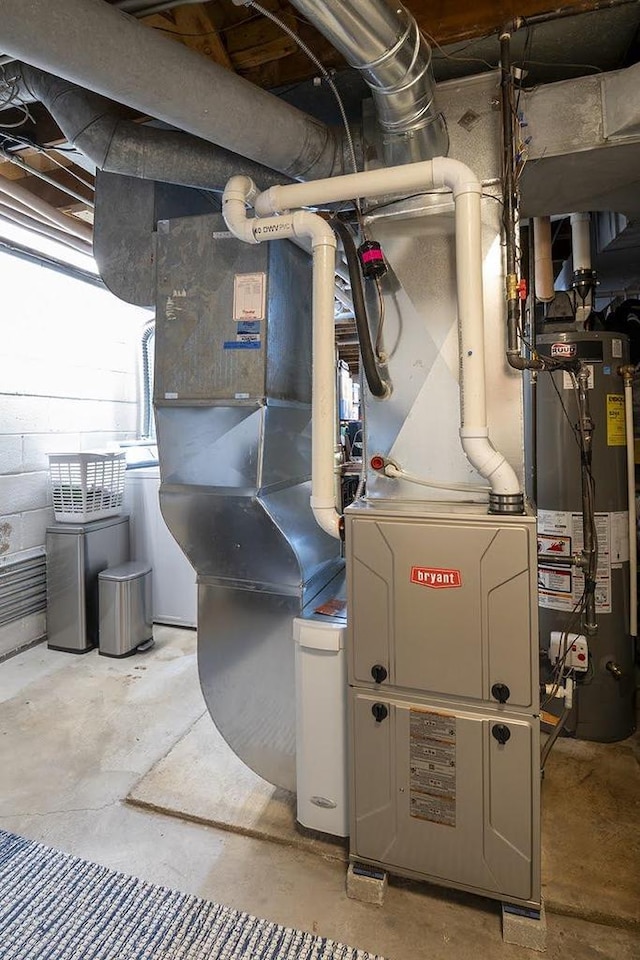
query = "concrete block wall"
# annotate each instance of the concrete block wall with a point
(68, 381)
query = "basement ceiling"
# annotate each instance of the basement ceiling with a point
(463, 34)
(581, 37)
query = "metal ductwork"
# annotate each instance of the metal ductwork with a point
(98, 47)
(382, 40)
(92, 124)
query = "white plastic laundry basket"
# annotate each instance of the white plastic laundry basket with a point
(86, 486)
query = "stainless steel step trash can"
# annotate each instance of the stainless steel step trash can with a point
(126, 625)
(76, 553)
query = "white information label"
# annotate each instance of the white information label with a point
(568, 380)
(619, 539)
(249, 296)
(560, 535)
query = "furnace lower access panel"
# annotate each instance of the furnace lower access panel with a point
(436, 795)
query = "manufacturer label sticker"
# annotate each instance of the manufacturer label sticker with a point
(436, 577)
(564, 350)
(616, 428)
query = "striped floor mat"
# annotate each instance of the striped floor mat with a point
(62, 908)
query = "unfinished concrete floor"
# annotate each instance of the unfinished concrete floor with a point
(76, 734)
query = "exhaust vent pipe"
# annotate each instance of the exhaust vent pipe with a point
(95, 45)
(382, 40)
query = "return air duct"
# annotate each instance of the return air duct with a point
(382, 40)
(98, 47)
(92, 124)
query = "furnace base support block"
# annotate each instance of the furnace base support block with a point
(524, 930)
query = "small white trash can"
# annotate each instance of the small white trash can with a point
(125, 607)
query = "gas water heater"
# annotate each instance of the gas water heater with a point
(603, 707)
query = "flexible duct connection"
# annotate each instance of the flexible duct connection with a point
(379, 388)
(382, 40)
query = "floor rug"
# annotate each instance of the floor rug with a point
(59, 907)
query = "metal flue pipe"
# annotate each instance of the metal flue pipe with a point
(95, 45)
(382, 40)
(93, 125)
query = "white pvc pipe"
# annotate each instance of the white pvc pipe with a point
(46, 210)
(441, 172)
(543, 261)
(239, 192)
(631, 496)
(581, 241)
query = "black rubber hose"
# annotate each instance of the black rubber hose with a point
(376, 384)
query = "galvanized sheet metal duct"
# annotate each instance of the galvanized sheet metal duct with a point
(382, 40)
(91, 123)
(98, 47)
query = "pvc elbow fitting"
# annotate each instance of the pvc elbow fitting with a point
(456, 175)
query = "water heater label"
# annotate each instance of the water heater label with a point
(437, 577)
(432, 770)
(560, 535)
(564, 351)
(616, 430)
(569, 380)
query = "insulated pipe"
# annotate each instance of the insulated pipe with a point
(581, 241)
(45, 210)
(239, 192)
(41, 175)
(95, 45)
(627, 374)
(543, 262)
(440, 172)
(584, 279)
(92, 124)
(377, 385)
(381, 39)
(11, 215)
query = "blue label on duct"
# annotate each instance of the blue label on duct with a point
(242, 344)
(249, 326)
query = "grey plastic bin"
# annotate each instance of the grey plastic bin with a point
(125, 609)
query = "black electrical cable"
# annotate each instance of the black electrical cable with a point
(376, 384)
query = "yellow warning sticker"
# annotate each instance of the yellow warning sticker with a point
(616, 433)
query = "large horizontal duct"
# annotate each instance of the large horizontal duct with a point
(92, 124)
(584, 145)
(382, 40)
(95, 45)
